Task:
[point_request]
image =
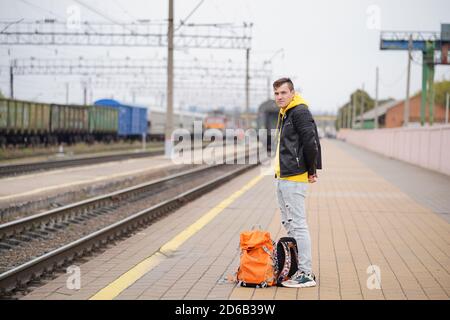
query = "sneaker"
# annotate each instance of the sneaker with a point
(300, 280)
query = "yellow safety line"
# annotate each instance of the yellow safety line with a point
(127, 279)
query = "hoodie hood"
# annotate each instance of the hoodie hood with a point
(297, 100)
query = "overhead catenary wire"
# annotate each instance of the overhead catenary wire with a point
(189, 15)
(116, 2)
(35, 6)
(43, 9)
(98, 12)
(12, 23)
(397, 79)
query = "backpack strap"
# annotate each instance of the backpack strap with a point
(293, 246)
(267, 250)
(287, 261)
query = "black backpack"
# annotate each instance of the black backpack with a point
(286, 259)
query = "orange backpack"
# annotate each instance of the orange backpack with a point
(256, 267)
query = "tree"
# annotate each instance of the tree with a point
(440, 91)
(360, 98)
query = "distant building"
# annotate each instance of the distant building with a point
(394, 116)
(390, 114)
(369, 116)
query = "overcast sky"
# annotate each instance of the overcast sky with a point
(330, 48)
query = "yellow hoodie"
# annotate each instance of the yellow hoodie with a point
(303, 177)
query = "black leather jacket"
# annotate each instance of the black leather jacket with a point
(299, 143)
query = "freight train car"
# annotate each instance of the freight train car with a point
(132, 120)
(103, 123)
(181, 119)
(32, 123)
(70, 123)
(23, 121)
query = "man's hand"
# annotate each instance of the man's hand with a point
(312, 178)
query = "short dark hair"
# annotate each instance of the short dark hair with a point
(282, 81)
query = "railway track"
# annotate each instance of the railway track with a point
(18, 169)
(58, 237)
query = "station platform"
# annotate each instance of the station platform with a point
(28, 186)
(358, 220)
(40, 185)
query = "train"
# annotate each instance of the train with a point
(33, 123)
(220, 121)
(107, 120)
(267, 119)
(181, 119)
(131, 120)
(216, 120)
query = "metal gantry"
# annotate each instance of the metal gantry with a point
(152, 84)
(428, 43)
(137, 34)
(218, 91)
(211, 78)
(116, 66)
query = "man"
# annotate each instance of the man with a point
(298, 156)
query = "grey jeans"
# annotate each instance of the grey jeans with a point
(291, 199)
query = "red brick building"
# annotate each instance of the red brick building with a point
(394, 115)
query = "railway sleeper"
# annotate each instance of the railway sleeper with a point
(12, 242)
(5, 246)
(37, 234)
(50, 229)
(23, 238)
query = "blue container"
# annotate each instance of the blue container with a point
(138, 120)
(132, 119)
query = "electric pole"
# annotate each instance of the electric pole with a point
(169, 114)
(406, 110)
(376, 98)
(84, 93)
(67, 93)
(247, 86)
(361, 108)
(353, 110)
(11, 80)
(446, 108)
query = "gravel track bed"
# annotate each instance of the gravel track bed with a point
(18, 210)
